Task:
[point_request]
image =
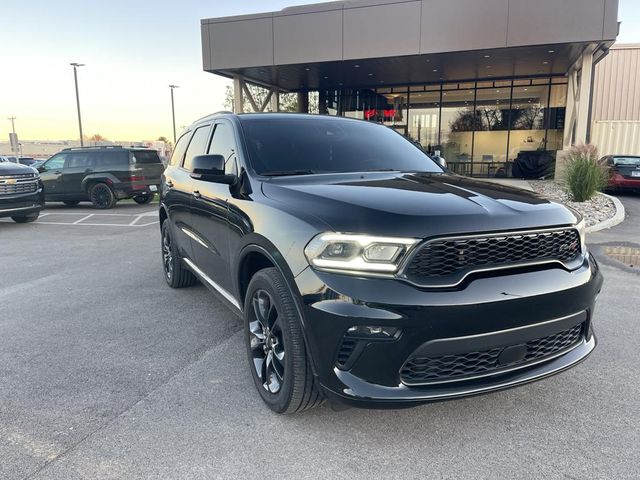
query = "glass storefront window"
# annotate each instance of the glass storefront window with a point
(527, 119)
(556, 116)
(457, 124)
(479, 127)
(490, 140)
(424, 118)
(393, 111)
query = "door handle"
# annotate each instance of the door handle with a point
(169, 183)
(58, 172)
(88, 170)
(196, 194)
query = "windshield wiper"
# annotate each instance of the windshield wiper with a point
(284, 173)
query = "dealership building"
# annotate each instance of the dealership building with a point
(486, 82)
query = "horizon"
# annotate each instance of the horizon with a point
(131, 52)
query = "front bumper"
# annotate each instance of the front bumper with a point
(21, 205)
(488, 314)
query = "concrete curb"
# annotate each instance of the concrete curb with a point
(609, 222)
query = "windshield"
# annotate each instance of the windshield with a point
(632, 161)
(301, 145)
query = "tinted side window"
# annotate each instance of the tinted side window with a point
(146, 156)
(224, 144)
(178, 152)
(56, 162)
(111, 158)
(79, 160)
(197, 145)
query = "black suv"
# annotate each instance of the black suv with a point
(21, 194)
(102, 175)
(364, 272)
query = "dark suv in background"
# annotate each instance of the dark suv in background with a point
(21, 194)
(366, 273)
(102, 175)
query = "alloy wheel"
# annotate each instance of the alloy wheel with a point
(266, 342)
(167, 256)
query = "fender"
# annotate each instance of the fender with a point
(107, 178)
(271, 252)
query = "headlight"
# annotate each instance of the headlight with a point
(357, 253)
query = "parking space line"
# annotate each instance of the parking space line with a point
(133, 222)
(83, 218)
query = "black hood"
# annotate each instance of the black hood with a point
(9, 168)
(414, 205)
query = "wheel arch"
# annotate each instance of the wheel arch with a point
(90, 180)
(257, 256)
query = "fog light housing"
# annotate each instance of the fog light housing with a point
(372, 332)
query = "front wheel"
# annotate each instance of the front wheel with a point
(143, 199)
(102, 196)
(26, 218)
(278, 358)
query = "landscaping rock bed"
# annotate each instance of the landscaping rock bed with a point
(596, 210)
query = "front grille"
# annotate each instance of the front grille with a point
(18, 184)
(448, 368)
(447, 260)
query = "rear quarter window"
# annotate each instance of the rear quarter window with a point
(146, 156)
(115, 158)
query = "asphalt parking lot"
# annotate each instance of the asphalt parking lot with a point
(105, 372)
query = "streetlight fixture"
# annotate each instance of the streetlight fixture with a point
(75, 78)
(173, 112)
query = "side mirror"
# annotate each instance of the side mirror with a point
(210, 168)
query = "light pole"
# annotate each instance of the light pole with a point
(173, 112)
(75, 77)
(13, 125)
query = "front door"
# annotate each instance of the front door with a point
(51, 176)
(78, 165)
(210, 212)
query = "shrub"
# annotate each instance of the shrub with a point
(584, 175)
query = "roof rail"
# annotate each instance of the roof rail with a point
(223, 111)
(92, 147)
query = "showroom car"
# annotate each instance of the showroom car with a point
(363, 271)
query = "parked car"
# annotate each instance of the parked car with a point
(21, 160)
(363, 271)
(21, 193)
(624, 171)
(102, 175)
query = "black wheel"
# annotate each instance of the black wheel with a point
(175, 273)
(102, 196)
(277, 354)
(71, 203)
(26, 218)
(143, 199)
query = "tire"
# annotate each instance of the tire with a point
(26, 218)
(71, 203)
(175, 273)
(278, 358)
(102, 196)
(143, 199)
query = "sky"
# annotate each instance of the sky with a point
(133, 50)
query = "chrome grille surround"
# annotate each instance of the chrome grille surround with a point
(18, 184)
